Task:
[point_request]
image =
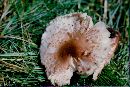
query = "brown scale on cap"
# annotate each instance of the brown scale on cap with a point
(71, 47)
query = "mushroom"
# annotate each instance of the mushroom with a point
(72, 43)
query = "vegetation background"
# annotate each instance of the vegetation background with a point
(22, 23)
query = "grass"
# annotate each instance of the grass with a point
(23, 23)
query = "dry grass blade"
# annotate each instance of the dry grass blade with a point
(18, 54)
(105, 11)
(11, 66)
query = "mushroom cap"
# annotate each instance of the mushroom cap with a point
(71, 43)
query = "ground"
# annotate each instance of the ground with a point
(22, 24)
